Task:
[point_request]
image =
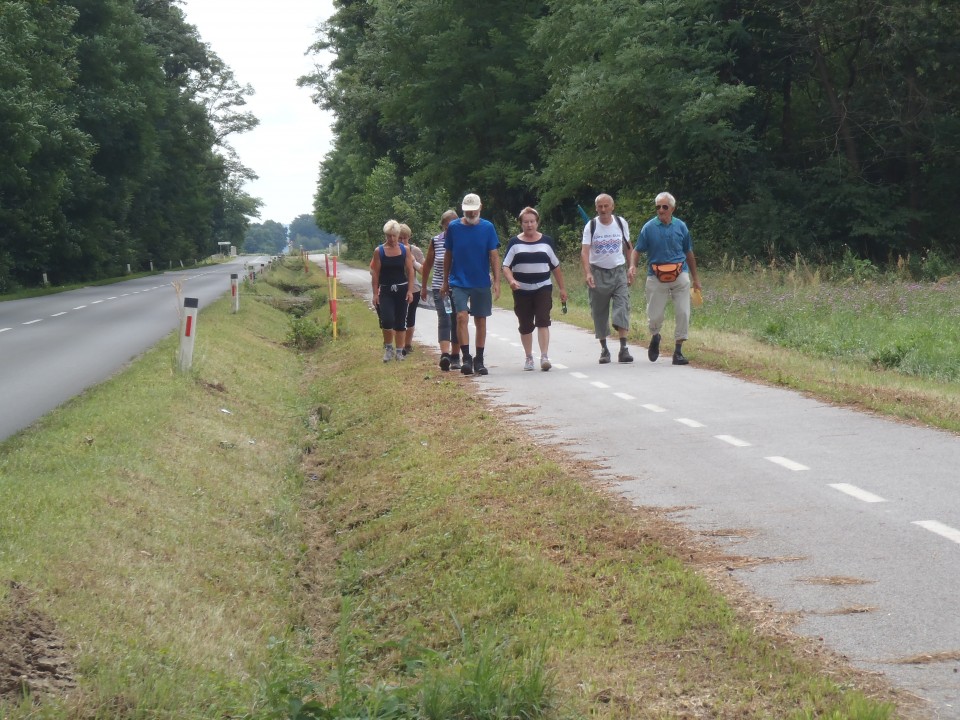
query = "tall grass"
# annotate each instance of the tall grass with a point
(910, 327)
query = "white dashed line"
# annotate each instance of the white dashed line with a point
(96, 302)
(5, 329)
(600, 385)
(31, 322)
(579, 375)
(855, 492)
(112, 298)
(736, 442)
(940, 529)
(79, 307)
(655, 408)
(787, 463)
(558, 366)
(59, 314)
(690, 423)
(624, 396)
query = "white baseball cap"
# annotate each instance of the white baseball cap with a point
(471, 201)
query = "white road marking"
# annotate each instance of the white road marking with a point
(600, 385)
(59, 314)
(736, 442)
(787, 463)
(624, 396)
(5, 329)
(558, 366)
(655, 408)
(125, 295)
(79, 307)
(854, 491)
(940, 529)
(112, 298)
(579, 375)
(31, 322)
(690, 423)
(96, 302)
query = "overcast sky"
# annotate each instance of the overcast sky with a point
(264, 45)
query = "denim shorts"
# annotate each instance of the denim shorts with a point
(477, 301)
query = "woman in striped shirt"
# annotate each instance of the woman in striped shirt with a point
(531, 257)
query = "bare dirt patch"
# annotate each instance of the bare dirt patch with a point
(33, 659)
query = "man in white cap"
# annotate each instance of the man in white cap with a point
(471, 256)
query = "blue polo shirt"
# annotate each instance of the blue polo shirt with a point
(665, 243)
(471, 246)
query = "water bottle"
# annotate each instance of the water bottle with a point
(447, 306)
(563, 306)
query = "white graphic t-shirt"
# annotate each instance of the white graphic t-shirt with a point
(606, 249)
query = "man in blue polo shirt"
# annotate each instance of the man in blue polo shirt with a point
(670, 267)
(471, 256)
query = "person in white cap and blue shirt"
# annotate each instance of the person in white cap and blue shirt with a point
(471, 258)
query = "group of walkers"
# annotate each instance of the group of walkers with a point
(465, 265)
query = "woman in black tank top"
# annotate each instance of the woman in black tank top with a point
(392, 277)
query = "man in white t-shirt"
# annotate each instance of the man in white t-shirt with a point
(603, 254)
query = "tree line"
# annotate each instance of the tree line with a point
(273, 238)
(114, 127)
(820, 127)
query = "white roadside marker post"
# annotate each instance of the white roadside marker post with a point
(235, 291)
(188, 331)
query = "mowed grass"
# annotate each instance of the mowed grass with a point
(280, 534)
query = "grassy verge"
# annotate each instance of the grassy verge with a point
(283, 535)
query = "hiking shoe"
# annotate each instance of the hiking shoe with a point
(679, 359)
(407, 349)
(604, 356)
(545, 363)
(466, 367)
(479, 368)
(400, 355)
(528, 363)
(653, 352)
(445, 363)
(454, 362)
(388, 353)
(624, 355)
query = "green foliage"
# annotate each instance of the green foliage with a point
(780, 130)
(305, 333)
(269, 238)
(112, 147)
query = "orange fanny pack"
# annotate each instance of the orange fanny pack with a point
(667, 272)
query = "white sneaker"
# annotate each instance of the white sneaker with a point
(545, 363)
(388, 353)
(528, 363)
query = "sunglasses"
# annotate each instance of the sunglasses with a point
(663, 207)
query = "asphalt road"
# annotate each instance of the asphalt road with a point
(54, 347)
(856, 518)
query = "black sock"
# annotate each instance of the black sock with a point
(465, 351)
(480, 354)
(623, 342)
(444, 355)
(603, 344)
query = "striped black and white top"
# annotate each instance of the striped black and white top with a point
(439, 250)
(531, 262)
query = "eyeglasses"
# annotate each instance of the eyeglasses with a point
(663, 207)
